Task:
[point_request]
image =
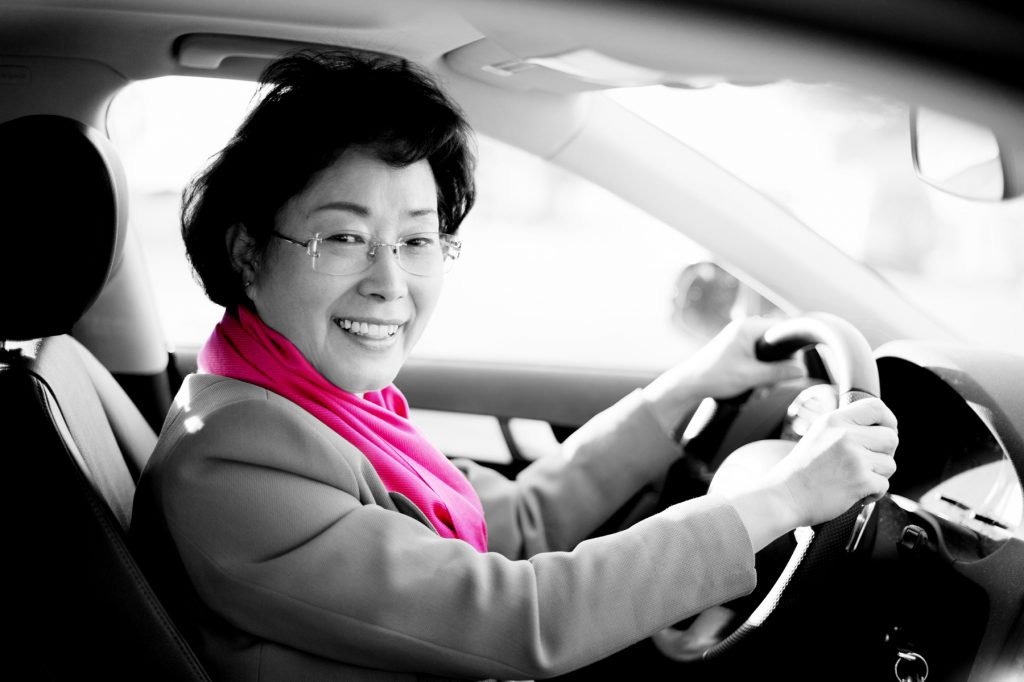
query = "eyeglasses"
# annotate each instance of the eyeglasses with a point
(426, 254)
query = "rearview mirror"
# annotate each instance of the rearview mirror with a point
(959, 157)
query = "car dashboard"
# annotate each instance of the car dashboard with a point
(952, 549)
(956, 458)
(953, 462)
(939, 573)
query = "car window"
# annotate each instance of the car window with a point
(554, 269)
(841, 162)
(165, 130)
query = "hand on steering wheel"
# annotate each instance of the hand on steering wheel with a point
(846, 455)
(726, 366)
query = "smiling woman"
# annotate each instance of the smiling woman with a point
(299, 521)
(277, 535)
(358, 324)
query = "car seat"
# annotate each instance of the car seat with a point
(73, 442)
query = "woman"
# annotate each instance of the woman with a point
(298, 523)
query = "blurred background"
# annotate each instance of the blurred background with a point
(639, 294)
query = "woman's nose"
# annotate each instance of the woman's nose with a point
(385, 278)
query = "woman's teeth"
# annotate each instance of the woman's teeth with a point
(373, 331)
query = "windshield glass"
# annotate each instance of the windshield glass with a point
(840, 161)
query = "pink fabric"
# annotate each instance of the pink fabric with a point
(242, 347)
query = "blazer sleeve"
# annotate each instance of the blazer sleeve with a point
(272, 524)
(562, 498)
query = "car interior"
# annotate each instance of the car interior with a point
(76, 438)
(928, 573)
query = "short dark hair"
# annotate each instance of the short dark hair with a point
(317, 104)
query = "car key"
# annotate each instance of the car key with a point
(910, 666)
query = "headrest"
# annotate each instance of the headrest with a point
(63, 200)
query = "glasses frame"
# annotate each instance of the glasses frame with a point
(450, 246)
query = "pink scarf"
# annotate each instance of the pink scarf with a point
(246, 349)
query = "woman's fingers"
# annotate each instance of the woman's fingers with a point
(782, 370)
(879, 484)
(880, 439)
(883, 465)
(846, 456)
(868, 412)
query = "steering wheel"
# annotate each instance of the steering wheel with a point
(855, 374)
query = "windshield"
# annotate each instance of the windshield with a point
(840, 161)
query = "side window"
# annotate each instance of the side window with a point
(165, 131)
(554, 270)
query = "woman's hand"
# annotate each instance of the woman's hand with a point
(846, 456)
(724, 367)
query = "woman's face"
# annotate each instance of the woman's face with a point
(316, 311)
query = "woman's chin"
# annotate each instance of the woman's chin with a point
(363, 383)
(359, 373)
(365, 363)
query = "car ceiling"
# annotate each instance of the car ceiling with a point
(925, 51)
(947, 41)
(747, 39)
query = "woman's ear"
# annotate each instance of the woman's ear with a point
(242, 249)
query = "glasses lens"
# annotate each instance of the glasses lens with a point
(422, 254)
(344, 253)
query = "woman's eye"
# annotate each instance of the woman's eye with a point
(346, 238)
(421, 241)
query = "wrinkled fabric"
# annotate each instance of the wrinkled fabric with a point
(274, 539)
(243, 347)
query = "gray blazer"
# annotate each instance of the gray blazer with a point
(276, 544)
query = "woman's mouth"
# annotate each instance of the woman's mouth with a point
(368, 330)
